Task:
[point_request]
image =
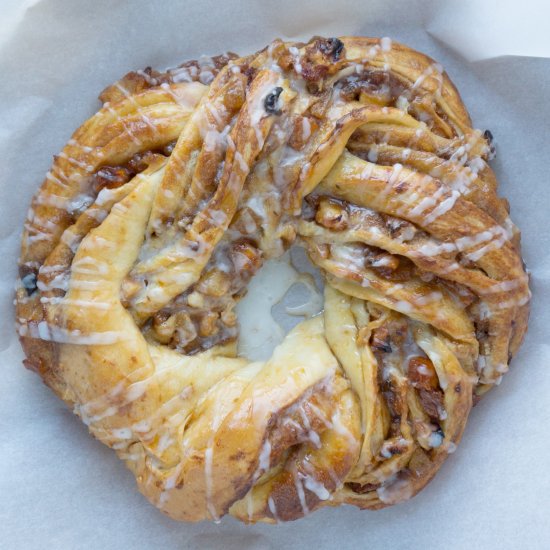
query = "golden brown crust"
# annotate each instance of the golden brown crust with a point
(164, 204)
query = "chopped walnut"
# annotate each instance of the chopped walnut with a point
(380, 261)
(380, 340)
(196, 299)
(164, 327)
(208, 325)
(186, 331)
(228, 316)
(400, 229)
(332, 215)
(246, 257)
(214, 283)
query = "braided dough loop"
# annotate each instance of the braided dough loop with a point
(163, 205)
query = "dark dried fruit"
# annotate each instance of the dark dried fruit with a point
(332, 47)
(111, 177)
(271, 101)
(488, 135)
(332, 215)
(381, 340)
(29, 282)
(423, 377)
(422, 373)
(168, 148)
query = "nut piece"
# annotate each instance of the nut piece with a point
(421, 372)
(246, 258)
(208, 325)
(381, 340)
(213, 283)
(196, 299)
(332, 215)
(228, 316)
(164, 327)
(186, 331)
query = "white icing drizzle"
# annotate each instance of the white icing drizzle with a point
(427, 202)
(306, 128)
(264, 457)
(316, 487)
(517, 302)
(272, 509)
(127, 130)
(313, 436)
(444, 206)
(296, 56)
(451, 447)
(434, 69)
(51, 333)
(429, 298)
(87, 285)
(497, 239)
(464, 243)
(50, 199)
(79, 164)
(54, 179)
(256, 110)
(250, 505)
(59, 282)
(71, 239)
(138, 107)
(57, 300)
(87, 265)
(506, 286)
(36, 235)
(208, 457)
(402, 103)
(396, 170)
(385, 44)
(337, 425)
(394, 490)
(101, 407)
(298, 483)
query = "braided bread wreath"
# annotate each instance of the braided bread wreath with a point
(162, 206)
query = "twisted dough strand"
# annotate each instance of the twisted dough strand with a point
(165, 203)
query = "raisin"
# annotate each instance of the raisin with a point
(111, 177)
(332, 47)
(271, 100)
(29, 282)
(381, 340)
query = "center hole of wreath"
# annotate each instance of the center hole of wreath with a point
(284, 292)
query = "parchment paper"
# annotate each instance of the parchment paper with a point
(61, 489)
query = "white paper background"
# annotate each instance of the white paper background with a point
(61, 489)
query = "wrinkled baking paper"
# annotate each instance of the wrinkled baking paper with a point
(59, 487)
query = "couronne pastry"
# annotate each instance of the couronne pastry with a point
(162, 206)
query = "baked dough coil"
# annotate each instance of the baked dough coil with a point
(163, 205)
